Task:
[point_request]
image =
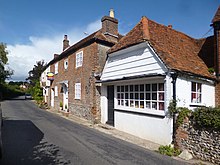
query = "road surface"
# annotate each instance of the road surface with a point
(32, 136)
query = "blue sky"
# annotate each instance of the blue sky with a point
(33, 30)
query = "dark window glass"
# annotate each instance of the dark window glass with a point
(154, 87)
(131, 88)
(136, 87)
(147, 87)
(141, 87)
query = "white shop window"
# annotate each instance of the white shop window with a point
(79, 59)
(141, 96)
(196, 92)
(78, 91)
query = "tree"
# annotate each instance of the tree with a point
(4, 73)
(35, 73)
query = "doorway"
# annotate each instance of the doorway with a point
(110, 97)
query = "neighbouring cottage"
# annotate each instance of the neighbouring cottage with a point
(152, 65)
(69, 79)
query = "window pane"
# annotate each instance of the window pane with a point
(136, 104)
(141, 96)
(136, 95)
(122, 102)
(141, 104)
(161, 106)
(126, 95)
(194, 86)
(131, 96)
(154, 105)
(193, 99)
(199, 100)
(161, 96)
(118, 102)
(126, 103)
(147, 86)
(122, 95)
(142, 87)
(136, 87)
(154, 96)
(126, 88)
(154, 87)
(131, 103)
(199, 87)
(161, 87)
(122, 88)
(148, 104)
(148, 96)
(118, 88)
(118, 96)
(131, 88)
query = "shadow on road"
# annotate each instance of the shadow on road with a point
(23, 144)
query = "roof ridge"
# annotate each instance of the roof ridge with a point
(216, 17)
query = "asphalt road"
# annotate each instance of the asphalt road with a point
(33, 136)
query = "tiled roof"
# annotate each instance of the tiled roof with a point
(97, 36)
(217, 16)
(177, 50)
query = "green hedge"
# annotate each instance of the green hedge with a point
(207, 117)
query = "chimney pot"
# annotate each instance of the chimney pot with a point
(170, 26)
(112, 13)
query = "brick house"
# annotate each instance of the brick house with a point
(152, 65)
(70, 77)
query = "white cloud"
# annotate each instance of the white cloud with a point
(23, 57)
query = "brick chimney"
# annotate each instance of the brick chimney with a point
(65, 42)
(216, 26)
(110, 26)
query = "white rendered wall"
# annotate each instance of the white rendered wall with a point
(158, 130)
(183, 92)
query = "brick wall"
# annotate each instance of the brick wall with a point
(88, 107)
(217, 94)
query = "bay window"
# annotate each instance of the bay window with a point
(141, 96)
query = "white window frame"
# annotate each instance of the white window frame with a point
(56, 68)
(196, 92)
(79, 59)
(77, 91)
(56, 91)
(65, 64)
(142, 107)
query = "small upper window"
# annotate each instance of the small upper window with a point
(78, 91)
(56, 68)
(66, 64)
(196, 92)
(79, 59)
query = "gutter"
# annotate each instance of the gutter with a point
(174, 76)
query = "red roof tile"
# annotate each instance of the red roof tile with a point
(217, 16)
(177, 50)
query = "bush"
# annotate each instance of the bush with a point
(168, 150)
(207, 117)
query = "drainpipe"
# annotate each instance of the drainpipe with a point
(174, 76)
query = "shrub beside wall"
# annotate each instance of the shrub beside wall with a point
(200, 134)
